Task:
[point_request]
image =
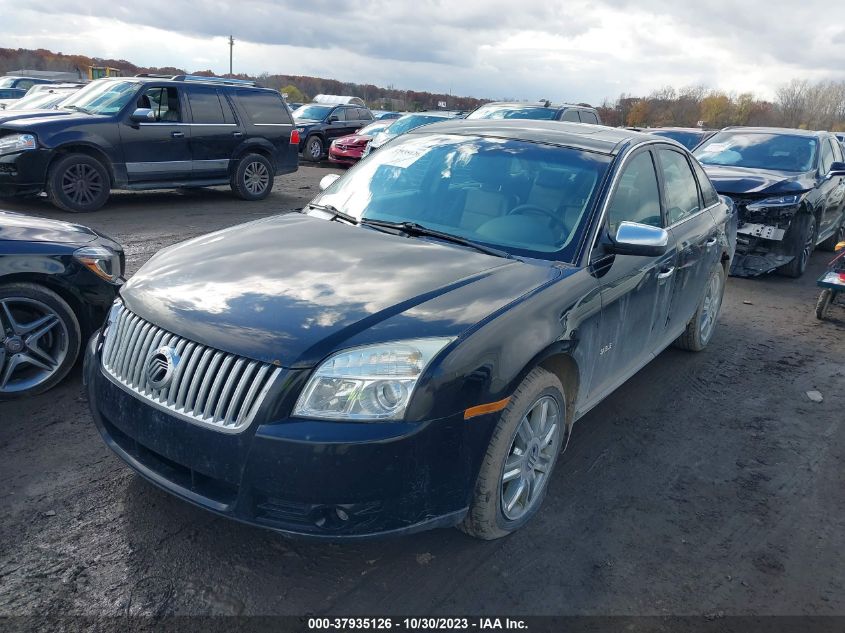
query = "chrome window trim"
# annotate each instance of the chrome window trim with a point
(273, 124)
(179, 124)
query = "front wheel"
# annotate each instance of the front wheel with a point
(313, 149)
(703, 323)
(253, 177)
(520, 458)
(838, 235)
(39, 339)
(78, 183)
(803, 240)
(823, 303)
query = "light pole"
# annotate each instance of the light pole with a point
(231, 46)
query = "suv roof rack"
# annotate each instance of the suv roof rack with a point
(212, 80)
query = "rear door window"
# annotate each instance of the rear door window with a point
(708, 193)
(206, 106)
(263, 107)
(680, 187)
(589, 117)
(571, 115)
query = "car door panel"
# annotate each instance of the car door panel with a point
(159, 150)
(214, 133)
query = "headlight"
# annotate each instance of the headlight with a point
(777, 202)
(375, 382)
(101, 261)
(16, 143)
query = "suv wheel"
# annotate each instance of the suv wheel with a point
(78, 183)
(802, 244)
(39, 339)
(520, 459)
(253, 178)
(313, 149)
(838, 235)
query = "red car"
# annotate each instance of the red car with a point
(347, 150)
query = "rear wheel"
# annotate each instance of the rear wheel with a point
(313, 149)
(39, 339)
(253, 177)
(523, 451)
(78, 183)
(803, 240)
(703, 323)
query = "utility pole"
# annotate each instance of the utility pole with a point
(231, 46)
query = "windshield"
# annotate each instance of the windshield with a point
(6, 82)
(410, 121)
(759, 150)
(374, 128)
(40, 100)
(103, 97)
(513, 112)
(525, 198)
(312, 112)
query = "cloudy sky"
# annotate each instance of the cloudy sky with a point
(527, 49)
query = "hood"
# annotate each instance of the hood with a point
(353, 139)
(10, 115)
(744, 180)
(25, 228)
(48, 120)
(291, 289)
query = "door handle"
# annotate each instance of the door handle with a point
(712, 241)
(177, 134)
(237, 134)
(665, 273)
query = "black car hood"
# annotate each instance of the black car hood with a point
(25, 228)
(15, 115)
(49, 121)
(291, 289)
(743, 180)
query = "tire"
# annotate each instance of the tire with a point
(823, 303)
(488, 517)
(253, 177)
(78, 183)
(802, 236)
(703, 323)
(56, 346)
(314, 148)
(838, 235)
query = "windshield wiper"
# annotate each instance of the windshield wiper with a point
(336, 213)
(77, 108)
(412, 228)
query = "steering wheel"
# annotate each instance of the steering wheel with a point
(542, 211)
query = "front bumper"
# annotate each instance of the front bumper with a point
(307, 478)
(24, 173)
(348, 156)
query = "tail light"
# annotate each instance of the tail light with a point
(294, 137)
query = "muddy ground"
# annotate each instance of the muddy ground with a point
(709, 484)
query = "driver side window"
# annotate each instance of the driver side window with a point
(164, 102)
(637, 196)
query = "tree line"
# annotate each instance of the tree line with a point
(797, 104)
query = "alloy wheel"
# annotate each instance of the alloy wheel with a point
(315, 149)
(530, 458)
(256, 177)
(710, 307)
(809, 243)
(82, 184)
(33, 343)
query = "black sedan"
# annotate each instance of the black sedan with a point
(57, 283)
(789, 188)
(413, 351)
(689, 137)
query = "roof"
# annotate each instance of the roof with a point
(337, 100)
(595, 138)
(537, 104)
(677, 129)
(774, 130)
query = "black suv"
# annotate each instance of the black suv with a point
(150, 132)
(319, 124)
(543, 110)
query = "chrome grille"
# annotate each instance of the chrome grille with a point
(209, 386)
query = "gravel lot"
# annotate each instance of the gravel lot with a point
(709, 484)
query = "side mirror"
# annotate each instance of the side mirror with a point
(836, 169)
(333, 119)
(327, 181)
(639, 239)
(143, 115)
